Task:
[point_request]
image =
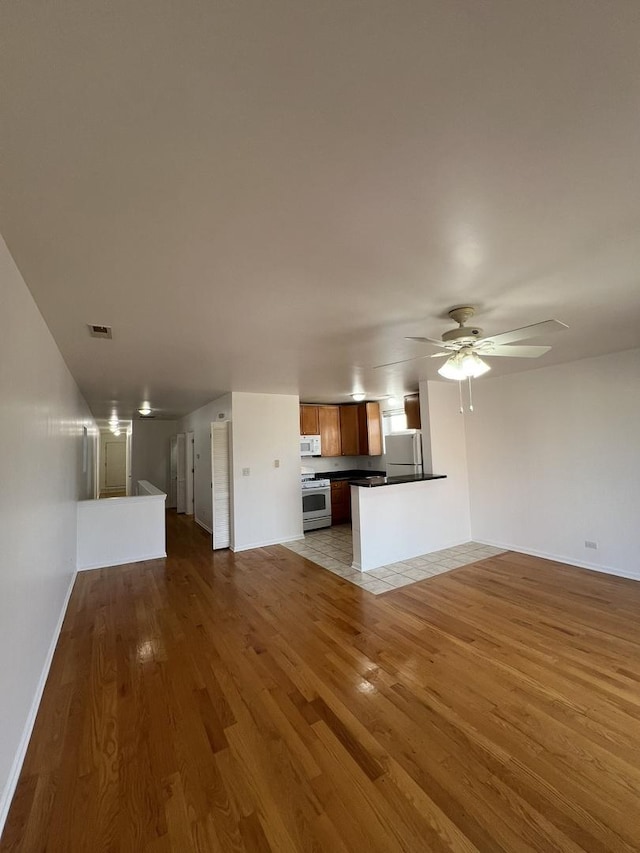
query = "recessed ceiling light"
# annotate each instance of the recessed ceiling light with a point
(116, 432)
(145, 410)
(358, 397)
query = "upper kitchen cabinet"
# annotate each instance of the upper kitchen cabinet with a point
(369, 429)
(349, 431)
(329, 430)
(309, 420)
(412, 411)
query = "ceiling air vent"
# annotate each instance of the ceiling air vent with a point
(100, 331)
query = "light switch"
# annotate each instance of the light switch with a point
(246, 472)
(276, 463)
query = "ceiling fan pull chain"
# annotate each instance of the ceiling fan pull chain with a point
(470, 397)
(460, 392)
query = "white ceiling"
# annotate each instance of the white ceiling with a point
(269, 196)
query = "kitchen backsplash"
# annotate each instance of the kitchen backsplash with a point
(343, 463)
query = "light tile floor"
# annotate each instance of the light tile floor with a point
(332, 549)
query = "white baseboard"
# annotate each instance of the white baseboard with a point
(299, 537)
(6, 796)
(580, 564)
(202, 525)
(280, 541)
(109, 565)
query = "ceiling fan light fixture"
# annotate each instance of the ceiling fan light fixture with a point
(463, 365)
(145, 410)
(452, 369)
(358, 397)
(472, 365)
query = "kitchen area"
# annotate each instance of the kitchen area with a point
(374, 512)
(343, 443)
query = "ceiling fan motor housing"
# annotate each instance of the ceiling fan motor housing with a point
(463, 335)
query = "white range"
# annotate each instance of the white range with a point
(316, 501)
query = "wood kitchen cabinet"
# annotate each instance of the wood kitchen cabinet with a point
(349, 431)
(340, 502)
(329, 430)
(412, 411)
(369, 429)
(309, 420)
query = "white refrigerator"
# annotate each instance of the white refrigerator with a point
(404, 453)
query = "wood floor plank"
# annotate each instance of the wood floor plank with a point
(256, 703)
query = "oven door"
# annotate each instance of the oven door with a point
(316, 503)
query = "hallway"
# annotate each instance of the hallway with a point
(221, 702)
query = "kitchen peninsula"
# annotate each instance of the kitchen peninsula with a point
(398, 518)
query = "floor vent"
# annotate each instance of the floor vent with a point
(100, 331)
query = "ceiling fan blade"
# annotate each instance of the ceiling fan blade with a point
(426, 341)
(402, 361)
(525, 332)
(446, 354)
(514, 352)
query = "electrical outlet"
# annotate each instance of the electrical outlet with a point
(246, 472)
(589, 544)
(276, 463)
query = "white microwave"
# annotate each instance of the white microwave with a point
(310, 445)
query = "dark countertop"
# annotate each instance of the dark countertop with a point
(350, 474)
(370, 482)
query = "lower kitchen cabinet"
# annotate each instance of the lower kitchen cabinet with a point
(340, 502)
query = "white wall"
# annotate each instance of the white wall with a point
(115, 531)
(554, 460)
(425, 424)
(41, 458)
(393, 523)
(449, 456)
(199, 422)
(150, 449)
(267, 505)
(343, 463)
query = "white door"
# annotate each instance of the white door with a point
(220, 486)
(190, 474)
(173, 465)
(115, 465)
(128, 464)
(181, 471)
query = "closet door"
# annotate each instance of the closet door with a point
(220, 485)
(173, 464)
(181, 472)
(190, 474)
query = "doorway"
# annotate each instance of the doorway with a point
(113, 458)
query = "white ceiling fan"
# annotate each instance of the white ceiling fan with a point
(466, 344)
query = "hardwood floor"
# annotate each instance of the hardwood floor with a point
(256, 702)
